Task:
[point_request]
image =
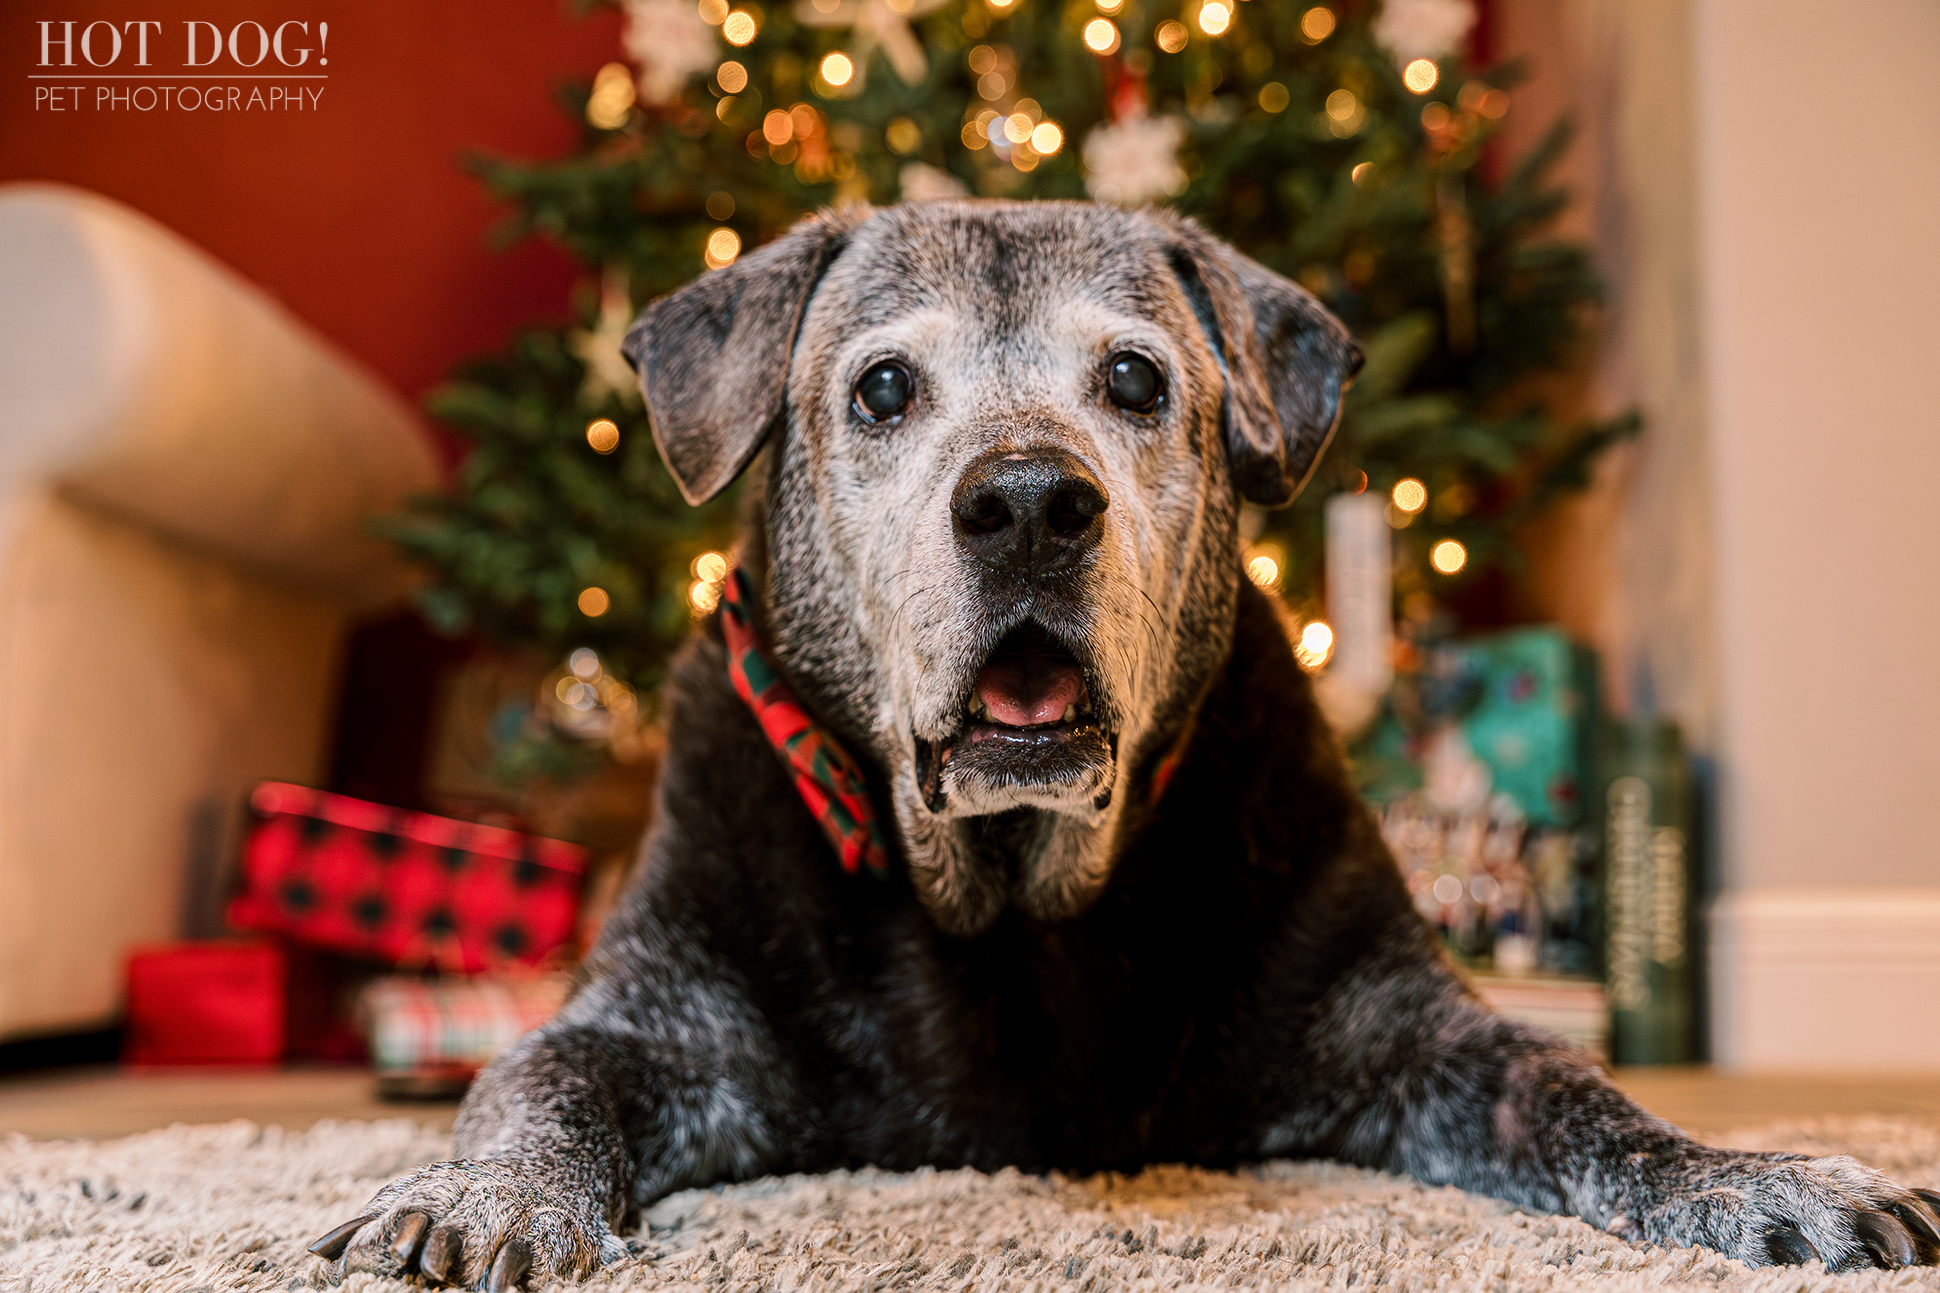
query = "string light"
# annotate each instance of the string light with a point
(1410, 495)
(1316, 644)
(732, 77)
(593, 602)
(1448, 556)
(612, 97)
(1101, 35)
(1110, 6)
(777, 128)
(903, 136)
(1214, 17)
(585, 663)
(1263, 570)
(712, 567)
(1421, 75)
(837, 69)
(1274, 97)
(1171, 36)
(720, 205)
(603, 434)
(1047, 139)
(723, 245)
(1316, 25)
(1017, 128)
(738, 27)
(713, 12)
(1362, 173)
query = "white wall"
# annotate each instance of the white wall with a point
(1819, 205)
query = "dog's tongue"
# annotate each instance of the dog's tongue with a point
(1022, 690)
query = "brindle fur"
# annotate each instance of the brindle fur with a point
(1056, 975)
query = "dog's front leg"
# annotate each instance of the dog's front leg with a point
(1426, 1080)
(540, 1182)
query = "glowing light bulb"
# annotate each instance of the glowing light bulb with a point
(1421, 75)
(1214, 17)
(1171, 36)
(738, 27)
(1274, 97)
(1410, 495)
(1047, 138)
(713, 12)
(1316, 25)
(837, 69)
(731, 77)
(1263, 570)
(1448, 556)
(1101, 35)
(612, 97)
(711, 567)
(723, 245)
(603, 434)
(703, 596)
(593, 602)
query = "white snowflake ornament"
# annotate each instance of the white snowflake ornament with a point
(671, 43)
(598, 347)
(1135, 160)
(1412, 29)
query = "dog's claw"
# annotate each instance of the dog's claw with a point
(410, 1234)
(441, 1251)
(509, 1268)
(1886, 1239)
(1788, 1247)
(332, 1245)
(1914, 1215)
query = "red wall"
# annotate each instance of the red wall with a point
(356, 215)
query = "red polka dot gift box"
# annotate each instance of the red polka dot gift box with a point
(410, 888)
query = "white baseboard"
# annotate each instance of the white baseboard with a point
(1826, 980)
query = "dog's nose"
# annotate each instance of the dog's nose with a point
(1028, 513)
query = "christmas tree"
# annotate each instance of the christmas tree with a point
(1346, 146)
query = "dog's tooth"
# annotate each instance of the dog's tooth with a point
(1070, 713)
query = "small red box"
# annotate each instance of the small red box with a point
(205, 1003)
(409, 888)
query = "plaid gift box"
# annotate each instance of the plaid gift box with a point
(405, 887)
(415, 1025)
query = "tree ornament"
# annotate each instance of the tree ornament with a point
(1135, 160)
(1412, 29)
(875, 23)
(598, 347)
(672, 44)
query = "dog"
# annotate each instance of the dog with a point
(998, 825)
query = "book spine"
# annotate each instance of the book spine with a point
(1648, 894)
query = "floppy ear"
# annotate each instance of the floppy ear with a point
(713, 357)
(1287, 361)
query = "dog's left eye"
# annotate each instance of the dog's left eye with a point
(883, 392)
(1133, 383)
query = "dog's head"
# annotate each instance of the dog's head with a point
(1009, 444)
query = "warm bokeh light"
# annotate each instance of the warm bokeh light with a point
(738, 27)
(1315, 645)
(1421, 75)
(1410, 495)
(982, 59)
(723, 245)
(704, 596)
(777, 128)
(1017, 127)
(1171, 36)
(1110, 6)
(1214, 16)
(1316, 25)
(1493, 104)
(1362, 173)
(1101, 35)
(612, 98)
(1448, 556)
(1047, 139)
(1435, 117)
(837, 69)
(585, 663)
(713, 12)
(903, 136)
(603, 434)
(1263, 570)
(1342, 106)
(593, 602)
(720, 205)
(711, 566)
(1000, 5)
(731, 76)
(1274, 97)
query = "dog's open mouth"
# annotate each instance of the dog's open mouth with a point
(1028, 722)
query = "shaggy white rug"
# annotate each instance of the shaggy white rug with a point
(231, 1207)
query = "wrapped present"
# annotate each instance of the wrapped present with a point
(218, 1002)
(405, 887)
(429, 1036)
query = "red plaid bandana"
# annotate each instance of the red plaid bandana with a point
(827, 778)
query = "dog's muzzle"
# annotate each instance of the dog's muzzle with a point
(1030, 734)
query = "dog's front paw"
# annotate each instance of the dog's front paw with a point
(472, 1225)
(1786, 1209)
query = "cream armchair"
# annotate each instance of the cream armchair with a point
(185, 474)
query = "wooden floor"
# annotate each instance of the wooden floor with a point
(105, 1102)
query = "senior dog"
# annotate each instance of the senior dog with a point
(998, 824)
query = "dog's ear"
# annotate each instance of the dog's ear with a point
(713, 357)
(1287, 361)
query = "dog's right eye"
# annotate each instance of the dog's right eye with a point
(883, 392)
